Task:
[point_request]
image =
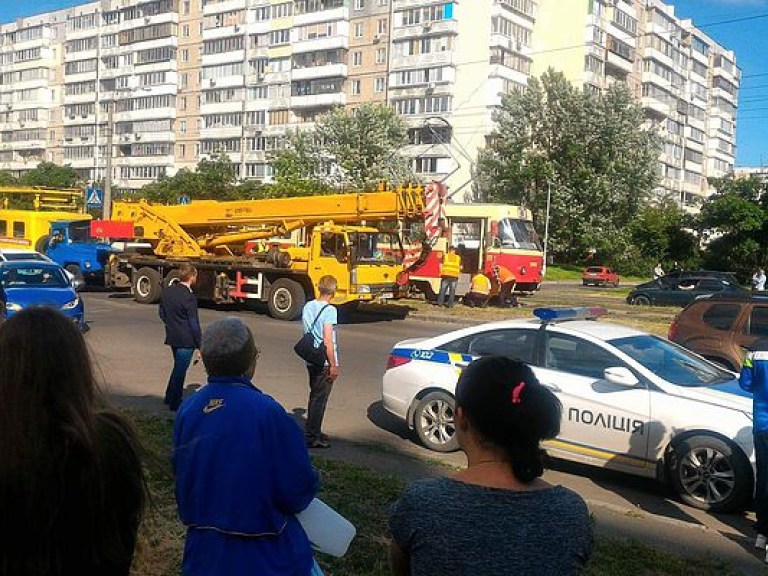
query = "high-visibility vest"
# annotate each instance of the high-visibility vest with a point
(504, 275)
(481, 284)
(451, 266)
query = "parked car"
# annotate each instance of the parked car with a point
(721, 327)
(681, 291)
(600, 276)
(632, 401)
(678, 275)
(16, 254)
(27, 284)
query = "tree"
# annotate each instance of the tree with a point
(348, 149)
(734, 220)
(589, 149)
(53, 175)
(214, 178)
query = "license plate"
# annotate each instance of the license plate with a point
(386, 295)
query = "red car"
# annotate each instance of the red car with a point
(600, 276)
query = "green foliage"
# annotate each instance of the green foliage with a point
(589, 149)
(8, 179)
(735, 221)
(53, 175)
(347, 150)
(214, 178)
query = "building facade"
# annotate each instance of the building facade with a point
(160, 84)
(686, 82)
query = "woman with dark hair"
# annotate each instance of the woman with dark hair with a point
(72, 488)
(497, 516)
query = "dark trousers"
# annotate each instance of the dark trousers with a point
(175, 390)
(320, 385)
(761, 488)
(447, 288)
(475, 300)
(506, 298)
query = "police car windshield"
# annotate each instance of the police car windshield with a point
(671, 362)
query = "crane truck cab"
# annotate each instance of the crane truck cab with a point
(70, 245)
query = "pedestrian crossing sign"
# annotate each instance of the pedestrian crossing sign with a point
(94, 197)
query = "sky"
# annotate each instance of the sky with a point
(747, 38)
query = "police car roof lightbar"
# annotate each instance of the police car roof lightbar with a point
(577, 313)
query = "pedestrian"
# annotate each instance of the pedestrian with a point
(72, 487)
(754, 379)
(450, 269)
(320, 318)
(676, 267)
(242, 469)
(479, 291)
(506, 282)
(658, 271)
(178, 310)
(758, 280)
(497, 516)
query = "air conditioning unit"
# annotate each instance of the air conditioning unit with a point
(72, 116)
(146, 20)
(237, 28)
(67, 139)
(212, 82)
(261, 77)
(427, 26)
(431, 86)
(377, 39)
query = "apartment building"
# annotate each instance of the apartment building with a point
(163, 83)
(685, 81)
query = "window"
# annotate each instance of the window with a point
(378, 85)
(575, 356)
(357, 58)
(758, 322)
(18, 229)
(355, 87)
(3, 227)
(625, 21)
(381, 55)
(183, 127)
(381, 26)
(359, 4)
(516, 344)
(359, 30)
(721, 316)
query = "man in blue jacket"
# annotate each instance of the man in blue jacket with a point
(754, 379)
(178, 311)
(242, 469)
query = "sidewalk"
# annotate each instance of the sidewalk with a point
(723, 544)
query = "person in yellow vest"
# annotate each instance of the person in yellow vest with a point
(479, 291)
(449, 277)
(506, 281)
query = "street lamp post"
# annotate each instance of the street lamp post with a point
(106, 212)
(546, 230)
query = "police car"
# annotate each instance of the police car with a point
(632, 401)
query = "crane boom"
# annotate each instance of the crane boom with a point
(46, 198)
(192, 230)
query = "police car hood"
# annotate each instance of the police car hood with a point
(726, 394)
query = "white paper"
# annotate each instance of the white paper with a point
(327, 530)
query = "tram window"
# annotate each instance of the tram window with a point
(3, 227)
(18, 229)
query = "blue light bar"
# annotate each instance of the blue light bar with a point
(582, 313)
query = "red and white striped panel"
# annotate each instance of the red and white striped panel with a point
(434, 209)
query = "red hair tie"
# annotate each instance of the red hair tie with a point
(516, 391)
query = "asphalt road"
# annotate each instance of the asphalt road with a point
(127, 343)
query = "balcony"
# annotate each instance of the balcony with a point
(220, 132)
(226, 6)
(335, 70)
(319, 100)
(321, 16)
(321, 44)
(426, 29)
(223, 58)
(417, 60)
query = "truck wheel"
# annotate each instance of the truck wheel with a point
(42, 244)
(146, 286)
(75, 270)
(173, 277)
(286, 299)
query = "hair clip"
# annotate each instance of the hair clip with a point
(516, 391)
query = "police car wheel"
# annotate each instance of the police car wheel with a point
(434, 422)
(710, 474)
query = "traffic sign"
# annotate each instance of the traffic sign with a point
(184, 199)
(94, 198)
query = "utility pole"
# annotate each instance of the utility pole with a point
(546, 230)
(107, 201)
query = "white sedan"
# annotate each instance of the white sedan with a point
(632, 401)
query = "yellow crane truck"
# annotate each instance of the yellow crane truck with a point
(242, 249)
